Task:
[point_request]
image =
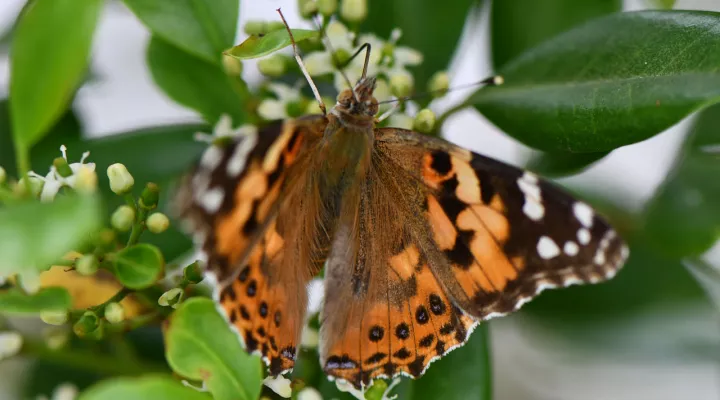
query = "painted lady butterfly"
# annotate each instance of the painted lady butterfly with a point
(420, 239)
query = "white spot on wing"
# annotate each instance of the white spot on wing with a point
(547, 248)
(211, 158)
(212, 199)
(533, 208)
(571, 248)
(583, 236)
(583, 213)
(237, 161)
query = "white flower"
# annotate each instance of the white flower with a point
(343, 386)
(66, 391)
(121, 181)
(54, 181)
(10, 344)
(223, 129)
(309, 393)
(272, 109)
(342, 42)
(279, 385)
(309, 337)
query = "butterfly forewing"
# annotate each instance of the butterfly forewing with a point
(245, 203)
(506, 234)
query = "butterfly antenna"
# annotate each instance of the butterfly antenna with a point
(333, 54)
(491, 81)
(299, 60)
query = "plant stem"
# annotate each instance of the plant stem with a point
(139, 224)
(91, 361)
(23, 165)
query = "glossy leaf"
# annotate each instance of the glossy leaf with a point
(471, 376)
(138, 266)
(614, 81)
(684, 216)
(433, 27)
(258, 46)
(15, 301)
(50, 50)
(200, 346)
(203, 28)
(145, 388)
(521, 24)
(67, 130)
(562, 164)
(196, 84)
(33, 234)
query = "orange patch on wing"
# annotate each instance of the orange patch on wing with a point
(468, 189)
(431, 177)
(444, 232)
(404, 263)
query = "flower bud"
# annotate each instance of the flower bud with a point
(87, 325)
(439, 83)
(272, 66)
(105, 239)
(401, 84)
(313, 107)
(54, 317)
(171, 298)
(157, 222)
(150, 196)
(36, 185)
(62, 167)
(400, 120)
(354, 10)
(279, 385)
(254, 27)
(30, 281)
(87, 265)
(56, 338)
(66, 391)
(424, 121)
(233, 67)
(120, 179)
(273, 26)
(85, 180)
(309, 393)
(3, 175)
(327, 7)
(192, 273)
(114, 313)
(307, 8)
(10, 344)
(123, 218)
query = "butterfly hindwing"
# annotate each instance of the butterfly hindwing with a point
(242, 203)
(506, 234)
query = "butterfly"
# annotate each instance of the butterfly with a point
(420, 239)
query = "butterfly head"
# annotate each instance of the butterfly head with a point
(357, 104)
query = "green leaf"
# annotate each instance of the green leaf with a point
(562, 164)
(50, 51)
(200, 346)
(196, 84)
(614, 81)
(145, 388)
(471, 376)
(138, 266)
(258, 46)
(33, 235)
(521, 24)
(433, 27)
(203, 28)
(66, 130)
(683, 218)
(15, 301)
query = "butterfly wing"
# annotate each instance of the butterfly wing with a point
(505, 234)
(443, 238)
(384, 312)
(247, 205)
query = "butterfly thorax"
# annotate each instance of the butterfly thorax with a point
(349, 135)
